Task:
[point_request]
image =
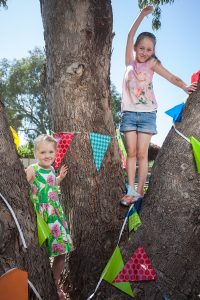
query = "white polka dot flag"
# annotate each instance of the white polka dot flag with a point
(64, 140)
(138, 268)
(99, 143)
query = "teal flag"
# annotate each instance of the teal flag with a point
(99, 143)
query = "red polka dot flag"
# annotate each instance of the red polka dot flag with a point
(63, 139)
(138, 268)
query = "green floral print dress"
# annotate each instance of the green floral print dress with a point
(44, 195)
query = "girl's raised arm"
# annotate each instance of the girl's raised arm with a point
(130, 44)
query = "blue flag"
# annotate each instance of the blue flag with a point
(176, 112)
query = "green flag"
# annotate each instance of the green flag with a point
(134, 220)
(196, 151)
(121, 144)
(43, 229)
(113, 267)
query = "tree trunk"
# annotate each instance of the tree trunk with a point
(14, 188)
(78, 36)
(170, 215)
(78, 45)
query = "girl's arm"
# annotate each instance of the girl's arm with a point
(129, 44)
(63, 173)
(30, 174)
(159, 69)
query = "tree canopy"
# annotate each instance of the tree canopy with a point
(156, 23)
(22, 93)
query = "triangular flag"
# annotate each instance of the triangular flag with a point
(138, 204)
(43, 229)
(122, 150)
(99, 143)
(14, 285)
(134, 220)
(15, 137)
(176, 112)
(196, 151)
(138, 268)
(195, 77)
(120, 143)
(113, 267)
(63, 139)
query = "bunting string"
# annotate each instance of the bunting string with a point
(124, 223)
(84, 132)
(34, 290)
(100, 280)
(181, 134)
(15, 219)
(108, 265)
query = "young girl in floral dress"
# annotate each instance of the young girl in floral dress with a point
(44, 195)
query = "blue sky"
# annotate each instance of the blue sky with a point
(178, 43)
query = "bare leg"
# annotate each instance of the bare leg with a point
(57, 268)
(131, 140)
(142, 157)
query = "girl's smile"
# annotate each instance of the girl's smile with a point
(144, 50)
(45, 154)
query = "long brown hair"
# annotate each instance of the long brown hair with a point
(149, 35)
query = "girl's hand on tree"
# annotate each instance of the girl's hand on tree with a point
(63, 172)
(147, 10)
(191, 88)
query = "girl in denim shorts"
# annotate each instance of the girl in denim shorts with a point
(139, 105)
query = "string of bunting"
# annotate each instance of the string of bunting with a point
(16, 277)
(138, 267)
(176, 114)
(99, 144)
(115, 272)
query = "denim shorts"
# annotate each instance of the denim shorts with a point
(139, 121)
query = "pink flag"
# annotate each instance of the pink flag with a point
(63, 139)
(138, 268)
(195, 77)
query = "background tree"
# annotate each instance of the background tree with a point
(156, 23)
(153, 152)
(23, 94)
(116, 105)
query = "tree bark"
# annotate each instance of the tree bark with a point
(170, 214)
(78, 36)
(14, 188)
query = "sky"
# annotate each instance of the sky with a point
(178, 43)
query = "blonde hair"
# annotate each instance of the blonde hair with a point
(44, 138)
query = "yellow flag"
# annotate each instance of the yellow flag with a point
(15, 137)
